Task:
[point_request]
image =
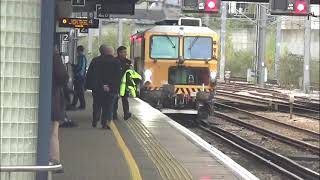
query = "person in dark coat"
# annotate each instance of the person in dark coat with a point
(125, 65)
(109, 82)
(92, 84)
(59, 80)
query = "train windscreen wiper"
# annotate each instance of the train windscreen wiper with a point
(193, 42)
(173, 45)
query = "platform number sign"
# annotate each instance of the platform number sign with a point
(78, 3)
(90, 18)
(101, 13)
(84, 30)
(65, 37)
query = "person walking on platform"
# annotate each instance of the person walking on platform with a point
(125, 65)
(109, 81)
(92, 84)
(128, 86)
(79, 70)
(59, 80)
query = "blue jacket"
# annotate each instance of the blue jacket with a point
(80, 68)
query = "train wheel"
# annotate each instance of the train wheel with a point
(203, 114)
(211, 107)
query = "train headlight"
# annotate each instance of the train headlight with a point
(213, 75)
(147, 75)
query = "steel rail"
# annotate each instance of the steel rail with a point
(287, 140)
(307, 131)
(266, 102)
(270, 158)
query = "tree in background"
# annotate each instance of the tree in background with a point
(291, 70)
(109, 37)
(270, 52)
(237, 61)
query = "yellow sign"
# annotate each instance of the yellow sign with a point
(75, 22)
(78, 22)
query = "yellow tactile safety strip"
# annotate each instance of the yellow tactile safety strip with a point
(168, 167)
(135, 173)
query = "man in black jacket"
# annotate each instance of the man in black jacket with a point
(125, 65)
(92, 84)
(109, 82)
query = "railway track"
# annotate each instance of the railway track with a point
(235, 87)
(272, 159)
(293, 142)
(289, 157)
(299, 110)
(250, 117)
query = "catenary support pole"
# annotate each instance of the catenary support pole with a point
(120, 32)
(223, 40)
(278, 50)
(261, 45)
(306, 64)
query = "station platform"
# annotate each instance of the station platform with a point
(148, 146)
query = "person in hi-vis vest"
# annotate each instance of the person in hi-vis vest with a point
(129, 82)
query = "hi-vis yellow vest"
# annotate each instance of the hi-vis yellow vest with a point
(132, 88)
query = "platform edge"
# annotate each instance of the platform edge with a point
(227, 161)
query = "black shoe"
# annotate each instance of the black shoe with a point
(65, 124)
(127, 116)
(59, 171)
(82, 107)
(105, 127)
(72, 108)
(72, 124)
(94, 125)
(69, 107)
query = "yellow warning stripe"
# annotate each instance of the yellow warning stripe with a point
(135, 173)
(184, 90)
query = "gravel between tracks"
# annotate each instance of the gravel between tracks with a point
(260, 170)
(298, 121)
(269, 143)
(279, 129)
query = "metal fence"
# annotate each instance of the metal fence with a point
(7, 171)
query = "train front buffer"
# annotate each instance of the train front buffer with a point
(181, 100)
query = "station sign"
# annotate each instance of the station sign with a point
(66, 37)
(79, 23)
(81, 3)
(101, 13)
(84, 30)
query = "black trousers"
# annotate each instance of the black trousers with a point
(96, 106)
(108, 107)
(125, 106)
(78, 93)
(103, 105)
(67, 93)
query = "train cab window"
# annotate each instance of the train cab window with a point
(198, 48)
(164, 47)
(188, 76)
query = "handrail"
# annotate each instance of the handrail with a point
(30, 168)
